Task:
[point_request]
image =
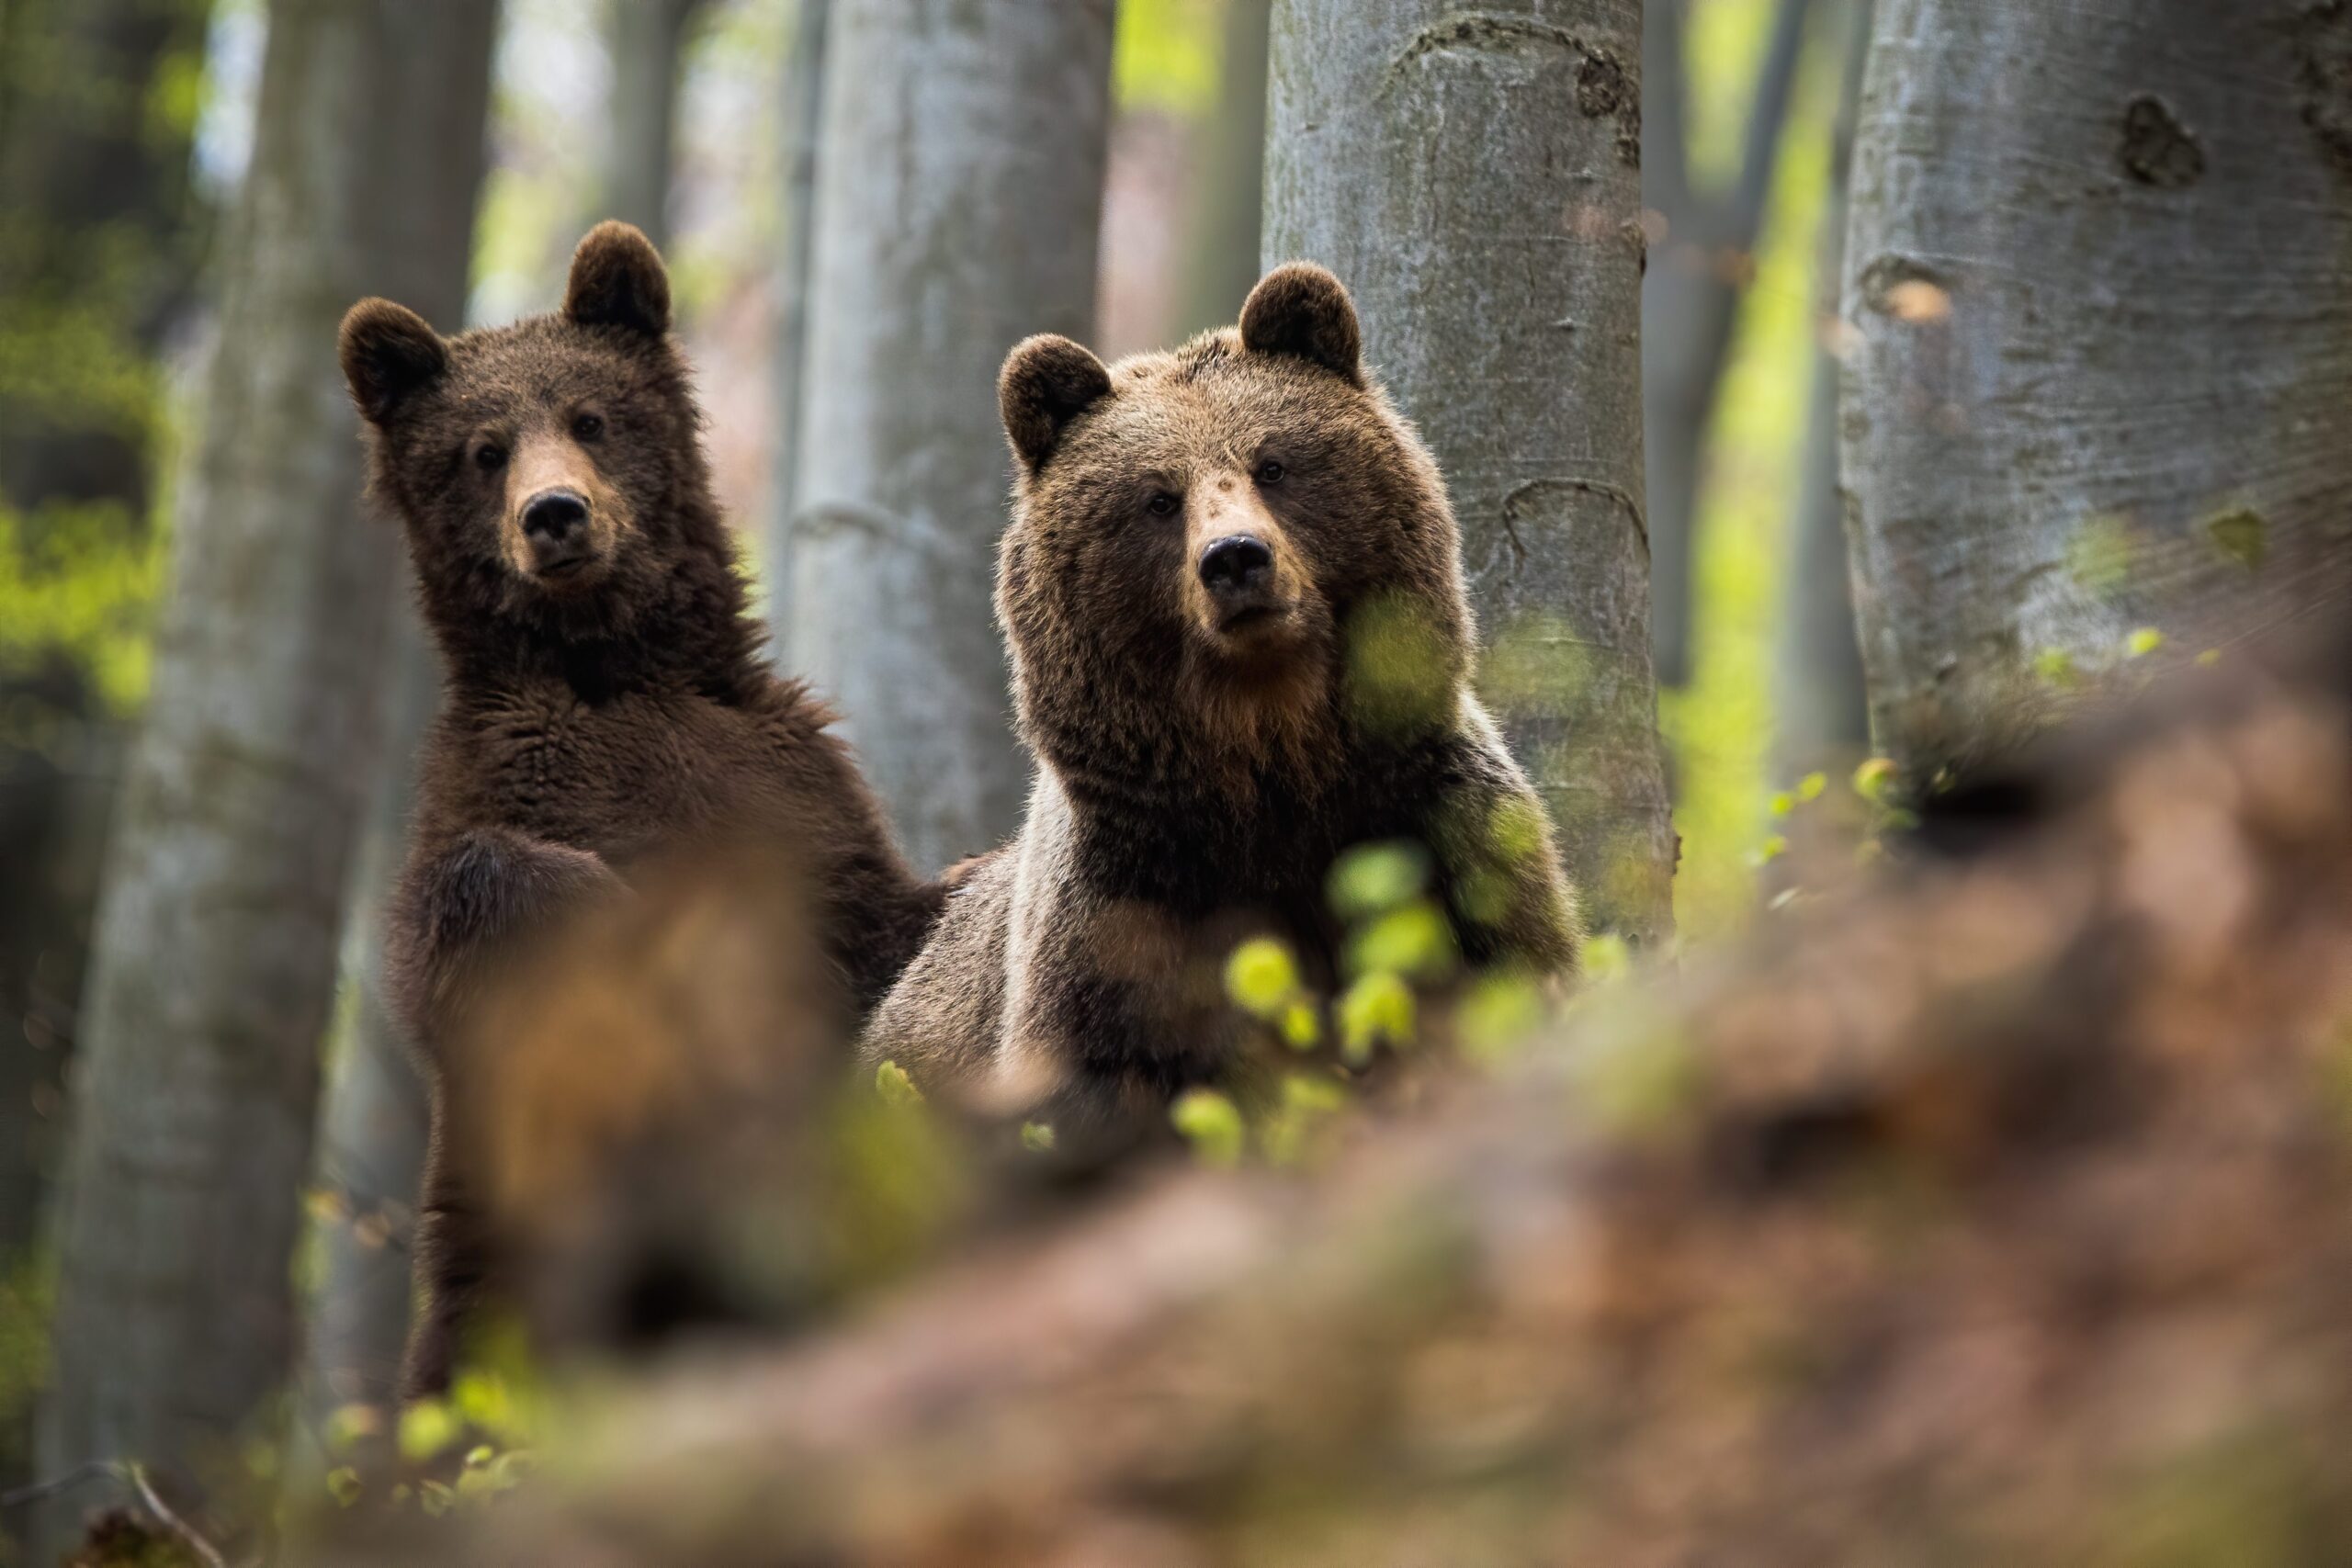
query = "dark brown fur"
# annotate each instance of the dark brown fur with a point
(1199, 770)
(599, 712)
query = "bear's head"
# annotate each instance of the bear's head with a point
(1223, 545)
(549, 474)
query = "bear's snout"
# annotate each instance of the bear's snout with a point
(555, 523)
(1239, 572)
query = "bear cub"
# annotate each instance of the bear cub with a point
(1240, 644)
(604, 698)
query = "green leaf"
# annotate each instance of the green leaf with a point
(1261, 976)
(427, 1427)
(2241, 535)
(892, 1082)
(1377, 1008)
(2143, 641)
(342, 1485)
(1037, 1138)
(1874, 778)
(1811, 786)
(1413, 940)
(1372, 879)
(1210, 1123)
(1302, 1026)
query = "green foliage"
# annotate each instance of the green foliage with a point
(1167, 55)
(1212, 1125)
(2241, 535)
(28, 1289)
(1372, 879)
(1262, 977)
(1037, 1138)
(1378, 1008)
(1399, 678)
(1413, 940)
(892, 1082)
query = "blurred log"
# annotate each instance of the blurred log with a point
(2002, 1215)
(1497, 271)
(2097, 304)
(215, 956)
(959, 201)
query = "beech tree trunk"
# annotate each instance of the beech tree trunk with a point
(959, 201)
(98, 233)
(804, 104)
(1221, 240)
(2097, 272)
(216, 947)
(644, 38)
(373, 1122)
(1822, 714)
(1475, 179)
(1691, 290)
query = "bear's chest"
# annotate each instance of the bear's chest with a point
(620, 777)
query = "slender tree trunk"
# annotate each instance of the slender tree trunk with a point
(2097, 272)
(216, 947)
(372, 1123)
(645, 39)
(1498, 273)
(1823, 716)
(960, 200)
(96, 235)
(804, 105)
(1691, 294)
(1221, 240)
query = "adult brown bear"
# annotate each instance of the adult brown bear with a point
(1233, 593)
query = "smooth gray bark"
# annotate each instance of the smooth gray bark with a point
(1474, 177)
(1691, 292)
(644, 38)
(804, 105)
(1821, 713)
(2097, 269)
(959, 201)
(1221, 239)
(372, 1123)
(216, 948)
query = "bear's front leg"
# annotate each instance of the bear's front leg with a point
(463, 905)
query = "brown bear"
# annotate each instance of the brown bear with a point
(605, 699)
(1232, 588)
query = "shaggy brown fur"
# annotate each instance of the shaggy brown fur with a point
(1212, 730)
(606, 702)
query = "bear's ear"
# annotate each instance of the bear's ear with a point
(1046, 382)
(617, 280)
(1301, 310)
(387, 354)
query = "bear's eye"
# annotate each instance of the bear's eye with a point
(588, 426)
(1162, 503)
(490, 456)
(1269, 472)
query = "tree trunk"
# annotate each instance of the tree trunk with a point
(804, 104)
(960, 198)
(372, 1123)
(1690, 295)
(2097, 275)
(1221, 242)
(1823, 718)
(644, 38)
(96, 234)
(1498, 273)
(215, 956)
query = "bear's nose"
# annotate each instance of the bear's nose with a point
(1236, 566)
(553, 514)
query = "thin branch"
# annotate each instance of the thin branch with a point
(40, 1490)
(172, 1521)
(1768, 119)
(1665, 158)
